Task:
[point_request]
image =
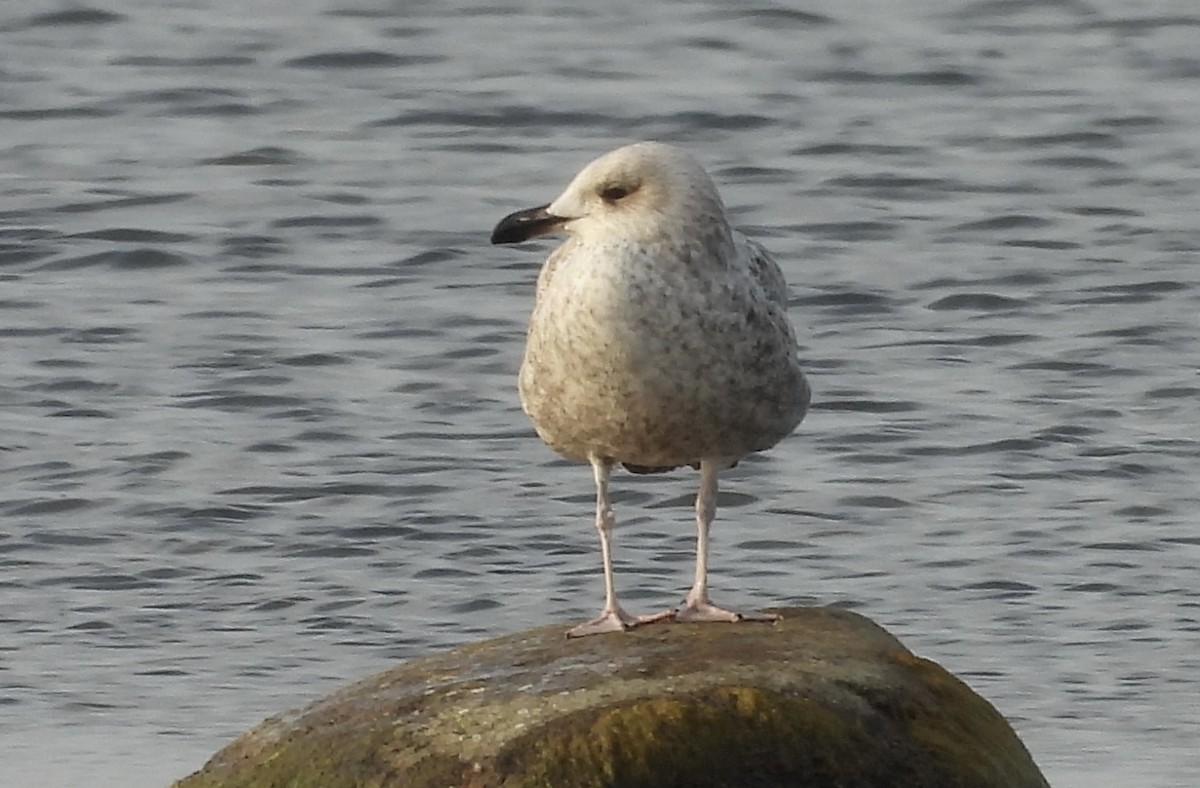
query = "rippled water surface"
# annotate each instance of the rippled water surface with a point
(259, 432)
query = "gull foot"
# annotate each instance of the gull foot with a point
(697, 612)
(616, 621)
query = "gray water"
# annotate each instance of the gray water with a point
(259, 432)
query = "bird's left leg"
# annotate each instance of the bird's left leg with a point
(697, 606)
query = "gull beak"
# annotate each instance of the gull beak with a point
(523, 225)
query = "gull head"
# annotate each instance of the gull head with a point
(645, 192)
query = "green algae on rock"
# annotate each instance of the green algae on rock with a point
(824, 697)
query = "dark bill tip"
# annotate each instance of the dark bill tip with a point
(523, 225)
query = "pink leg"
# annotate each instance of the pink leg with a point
(697, 606)
(612, 618)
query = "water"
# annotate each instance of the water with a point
(259, 433)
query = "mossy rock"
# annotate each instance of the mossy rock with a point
(822, 698)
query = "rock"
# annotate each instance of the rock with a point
(823, 698)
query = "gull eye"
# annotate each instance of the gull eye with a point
(611, 194)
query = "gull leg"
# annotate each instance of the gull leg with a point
(697, 606)
(612, 618)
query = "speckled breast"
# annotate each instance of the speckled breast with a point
(641, 375)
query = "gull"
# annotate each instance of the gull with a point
(659, 339)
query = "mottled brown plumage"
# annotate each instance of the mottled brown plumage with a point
(659, 336)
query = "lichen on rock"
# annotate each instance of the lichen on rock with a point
(823, 697)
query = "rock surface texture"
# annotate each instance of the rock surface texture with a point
(823, 697)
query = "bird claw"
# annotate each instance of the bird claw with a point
(615, 620)
(706, 612)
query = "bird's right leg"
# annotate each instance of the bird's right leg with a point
(612, 618)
